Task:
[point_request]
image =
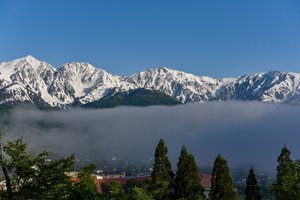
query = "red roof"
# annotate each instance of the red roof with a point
(122, 180)
(206, 180)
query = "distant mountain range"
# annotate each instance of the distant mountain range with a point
(28, 80)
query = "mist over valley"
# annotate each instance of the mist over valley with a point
(245, 133)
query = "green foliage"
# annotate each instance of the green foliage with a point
(113, 191)
(49, 180)
(162, 167)
(35, 177)
(161, 190)
(252, 189)
(85, 189)
(140, 194)
(222, 185)
(116, 190)
(286, 185)
(138, 190)
(162, 174)
(131, 184)
(105, 191)
(179, 182)
(137, 97)
(297, 184)
(187, 183)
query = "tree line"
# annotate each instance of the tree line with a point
(186, 184)
(37, 178)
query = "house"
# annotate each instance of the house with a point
(206, 182)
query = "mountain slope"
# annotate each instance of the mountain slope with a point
(136, 97)
(84, 82)
(271, 87)
(182, 86)
(28, 80)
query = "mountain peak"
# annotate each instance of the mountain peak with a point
(172, 71)
(78, 66)
(30, 59)
(81, 81)
(165, 68)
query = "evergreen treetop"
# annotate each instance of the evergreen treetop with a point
(286, 178)
(252, 189)
(222, 185)
(187, 183)
(162, 170)
(162, 174)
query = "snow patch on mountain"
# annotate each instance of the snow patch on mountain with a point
(29, 80)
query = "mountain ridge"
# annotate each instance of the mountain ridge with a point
(29, 80)
(140, 97)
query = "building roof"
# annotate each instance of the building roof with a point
(205, 180)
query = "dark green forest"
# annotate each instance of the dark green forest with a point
(138, 97)
(36, 177)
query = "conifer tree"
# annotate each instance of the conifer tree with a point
(297, 188)
(187, 183)
(285, 185)
(252, 189)
(179, 182)
(162, 170)
(222, 185)
(162, 174)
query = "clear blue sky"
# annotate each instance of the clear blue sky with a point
(204, 37)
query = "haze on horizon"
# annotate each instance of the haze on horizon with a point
(213, 38)
(245, 133)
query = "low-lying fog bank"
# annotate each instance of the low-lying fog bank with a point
(244, 133)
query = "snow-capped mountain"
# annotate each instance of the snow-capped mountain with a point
(84, 82)
(183, 86)
(28, 80)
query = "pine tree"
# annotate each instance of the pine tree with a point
(187, 183)
(297, 165)
(222, 185)
(162, 174)
(285, 185)
(162, 170)
(179, 182)
(252, 189)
